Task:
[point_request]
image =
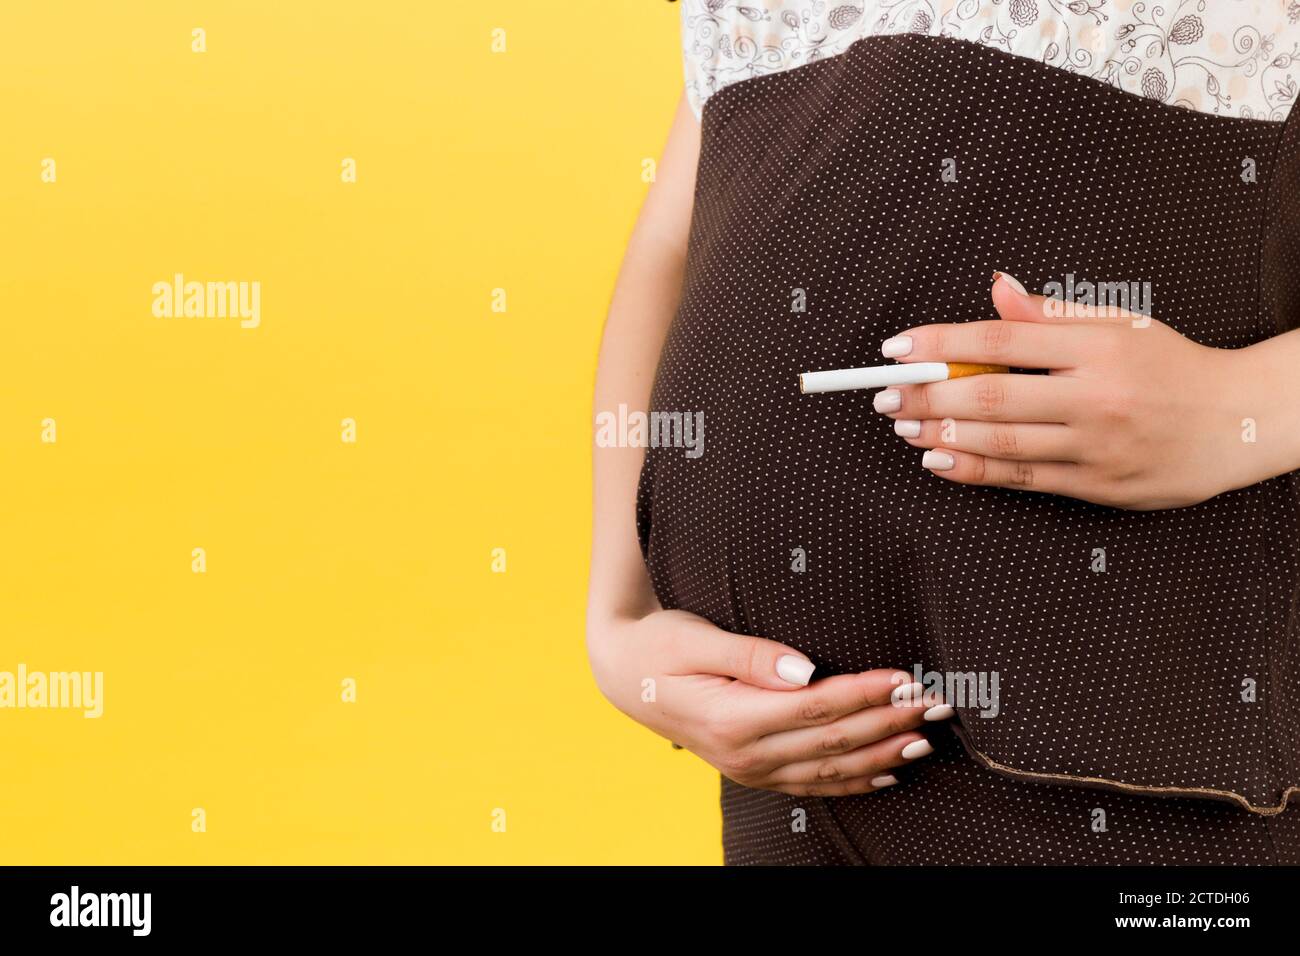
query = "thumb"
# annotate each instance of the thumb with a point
(1015, 304)
(707, 649)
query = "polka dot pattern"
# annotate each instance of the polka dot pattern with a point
(948, 811)
(824, 223)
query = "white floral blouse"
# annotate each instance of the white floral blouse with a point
(1229, 57)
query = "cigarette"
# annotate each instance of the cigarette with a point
(879, 376)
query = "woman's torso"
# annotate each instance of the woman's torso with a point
(857, 184)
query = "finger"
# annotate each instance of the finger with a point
(990, 398)
(844, 788)
(848, 733)
(825, 701)
(995, 342)
(1050, 477)
(1015, 304)
(700, 648)
(864, 762)
(1012, 441)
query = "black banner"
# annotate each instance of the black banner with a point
(235, 904)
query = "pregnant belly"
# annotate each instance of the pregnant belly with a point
(846, 200)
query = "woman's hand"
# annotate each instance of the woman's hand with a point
(740, 703)
(1132, 414)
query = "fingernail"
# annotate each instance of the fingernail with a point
(890, 400)
(1011, 281)
(898, 345)
(794, 670)
(939, 712)
(907, 428)
(917, 748)
(907, 693)
(884, 780)
(937, 460)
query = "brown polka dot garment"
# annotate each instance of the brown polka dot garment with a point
(1122, 690)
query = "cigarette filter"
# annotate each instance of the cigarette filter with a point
(879, 376)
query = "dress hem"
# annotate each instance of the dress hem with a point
(1105, 783)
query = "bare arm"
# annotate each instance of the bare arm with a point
(741, 703)
(644, 302)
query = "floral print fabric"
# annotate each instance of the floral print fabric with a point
(1228, 57)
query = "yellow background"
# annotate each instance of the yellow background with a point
(519, 170)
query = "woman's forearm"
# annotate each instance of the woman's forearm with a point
(644, 301)
(1270, 406)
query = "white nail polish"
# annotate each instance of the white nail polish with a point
(890, 400)
(917, 748)
(907, 428)
(907, 693)
(939, 712)
(1011, 281)
(794, 670)
(937, 460)
(884, 780)
(898, 346)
